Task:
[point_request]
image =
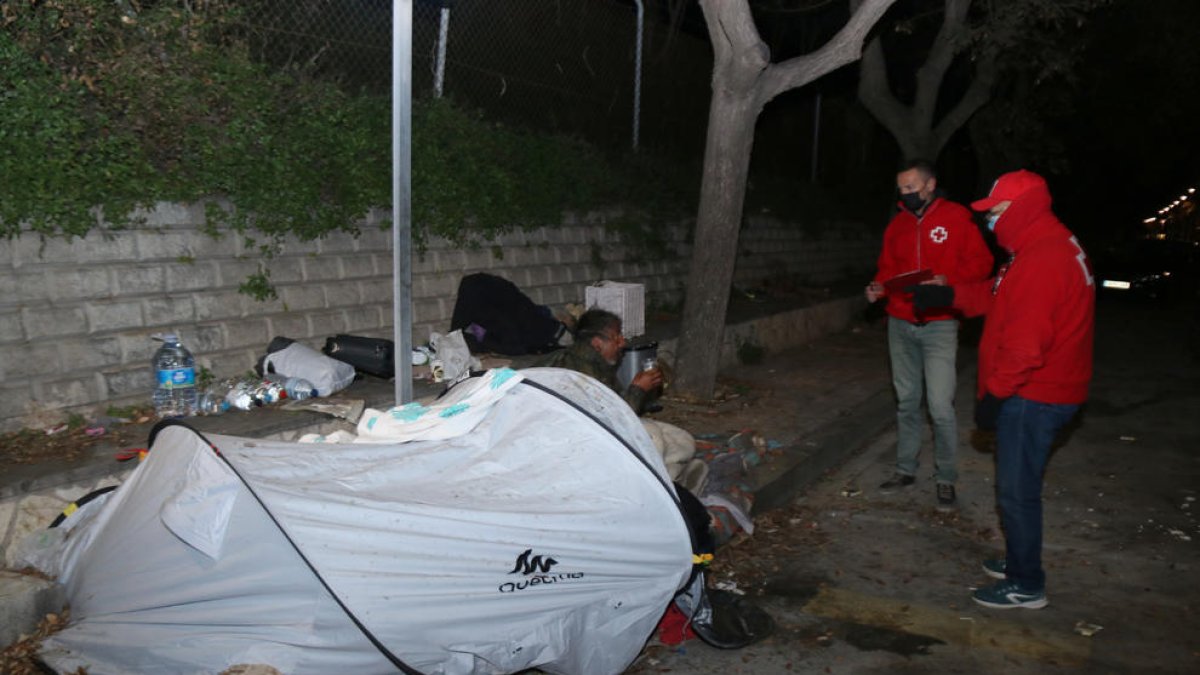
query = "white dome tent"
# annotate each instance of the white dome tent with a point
(523, 521)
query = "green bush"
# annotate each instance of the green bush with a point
(105, 108)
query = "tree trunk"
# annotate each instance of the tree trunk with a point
(731, 121)
(744, 80)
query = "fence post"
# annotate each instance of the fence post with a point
(439, 73)
(637, 74)
(402, 19)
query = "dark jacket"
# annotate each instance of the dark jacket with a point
(582, 358)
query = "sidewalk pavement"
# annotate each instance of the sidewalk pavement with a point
(819, 403)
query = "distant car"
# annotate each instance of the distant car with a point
(1151, 269)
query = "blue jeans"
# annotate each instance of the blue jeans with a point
(923, 362)
(1025, 430)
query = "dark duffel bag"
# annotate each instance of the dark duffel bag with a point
(374, 356)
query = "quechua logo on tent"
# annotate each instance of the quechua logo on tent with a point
(526, 565)
(536, 570)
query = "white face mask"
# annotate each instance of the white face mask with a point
(991, 221)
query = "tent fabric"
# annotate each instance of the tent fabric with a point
(545, 535)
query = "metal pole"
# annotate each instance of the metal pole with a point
(816, 137)
(637, 74)
(402, 196)
(439, 73)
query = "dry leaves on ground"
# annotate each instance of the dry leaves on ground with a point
(20, 658)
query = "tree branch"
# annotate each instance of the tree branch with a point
(876, 94)
(948, 43)
(738, 49)
(977, 95)
(845, 47)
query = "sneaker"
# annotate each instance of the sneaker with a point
(945, 495)
(1007, 594)
(898, 480)
(995, 568)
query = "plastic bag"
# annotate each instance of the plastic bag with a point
(328, 375)
(453, 358)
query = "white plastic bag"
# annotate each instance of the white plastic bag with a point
(453, 356)
(327, 375)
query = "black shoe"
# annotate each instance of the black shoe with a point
(945, 494)
(898, 480)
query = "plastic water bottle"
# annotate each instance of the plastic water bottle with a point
(299, 388)
(241, 397)
(296, 388)
(211, 402)
(174, 378)
(267, 392)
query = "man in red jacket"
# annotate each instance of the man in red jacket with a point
(934, 237)
(1035, 363)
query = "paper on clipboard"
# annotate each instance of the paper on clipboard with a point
(898, 283)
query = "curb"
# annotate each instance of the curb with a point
(842, 439)
(826, 449)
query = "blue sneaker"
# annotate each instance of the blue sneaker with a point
(995, 568)
(1007, 594)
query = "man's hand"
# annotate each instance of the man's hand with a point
(929, 296)
(648, 380)
(875, 291)
(987, 409)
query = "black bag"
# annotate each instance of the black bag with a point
(512, 323)
(374, 356)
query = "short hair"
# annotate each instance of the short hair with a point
(594, 322)
(924, 166)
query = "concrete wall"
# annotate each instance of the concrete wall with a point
(76, 316)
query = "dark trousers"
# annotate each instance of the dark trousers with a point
(1025, 430)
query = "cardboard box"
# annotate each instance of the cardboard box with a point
(627, 301)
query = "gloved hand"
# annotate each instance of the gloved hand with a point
(929, 296)
(987, 409)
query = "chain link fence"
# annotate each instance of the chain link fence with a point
(560, 66)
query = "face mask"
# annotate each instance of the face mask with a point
(912, 201)
(991, 221)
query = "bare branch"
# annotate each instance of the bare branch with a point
(950, 40)
(977, 95)
(876, 94)
(737, 47)
(845, 47)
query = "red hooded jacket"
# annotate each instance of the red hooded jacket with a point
(945, 240)
(1037, 338)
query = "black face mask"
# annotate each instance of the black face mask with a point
(912, 201)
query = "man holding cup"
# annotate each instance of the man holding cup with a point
(596, 352)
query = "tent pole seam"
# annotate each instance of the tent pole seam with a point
(387, 653)
(614, 434)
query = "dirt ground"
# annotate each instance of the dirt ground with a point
(71, 440)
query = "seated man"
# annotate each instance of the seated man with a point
(719, 618)
(596, 352)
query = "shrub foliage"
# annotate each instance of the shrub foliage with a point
(108, 105)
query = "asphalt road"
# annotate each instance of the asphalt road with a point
(860, 582)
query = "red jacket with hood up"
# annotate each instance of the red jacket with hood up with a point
(945, 240)
(1037, 337)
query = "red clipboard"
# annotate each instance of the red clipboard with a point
(898, 283)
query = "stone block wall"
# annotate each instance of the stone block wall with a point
(76, 316)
